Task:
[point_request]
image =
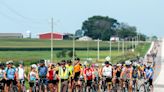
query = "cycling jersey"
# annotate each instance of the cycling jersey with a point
(135, 73)
(1, 74)
(107, 71)
(148, 72)
(32, 76)
(88, 73)
(21, 73)
(77, 68)
(70, 68)
(10, 73)
(42, 70)
(127, 73)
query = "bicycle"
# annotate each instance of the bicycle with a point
(126, 85)
(116, 86)
(42, 85)
(1, 86)
(35, 88)
(13, 87)
(23, 88)
(145, 87)
(135, 86)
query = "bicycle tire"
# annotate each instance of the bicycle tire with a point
(142, 88)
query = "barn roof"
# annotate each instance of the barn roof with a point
(10, 34)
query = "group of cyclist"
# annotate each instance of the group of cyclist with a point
(68, 76)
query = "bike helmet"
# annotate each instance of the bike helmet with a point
(127, 62)
(10, 62)
(34, 66)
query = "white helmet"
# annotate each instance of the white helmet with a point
(135, 64)
(108, 58)
(127, 62)
(85, 63)
(33, 66)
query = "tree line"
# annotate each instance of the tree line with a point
(104, 27)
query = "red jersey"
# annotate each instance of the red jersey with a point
(88, 73)
(51, 75)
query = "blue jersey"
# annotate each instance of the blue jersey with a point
(10, 73)
(148, 72)
(42, 71)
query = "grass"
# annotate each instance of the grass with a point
(36, 43)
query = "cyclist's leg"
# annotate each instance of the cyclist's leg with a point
(8, 85)
(130, 85)
(109, 82)
(50, 85)
(31, 86)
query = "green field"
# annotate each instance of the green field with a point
(33, 56)
(35, 43)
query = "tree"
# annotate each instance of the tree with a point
(99, 27)
(125, 31)
(79, 33)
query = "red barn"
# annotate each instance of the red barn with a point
(56, 36)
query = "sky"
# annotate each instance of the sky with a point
(35, 15)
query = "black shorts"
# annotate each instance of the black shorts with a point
(108, 80)
(31, 84)
(8, 82)
(77, 75)
(89, 83)
(2, 84)
(52, 81)
(150, 82)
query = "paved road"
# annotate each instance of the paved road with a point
(159, 71)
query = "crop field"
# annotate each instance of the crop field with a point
(87, 52)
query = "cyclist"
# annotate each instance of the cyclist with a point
(10, 75)
(149, 72)
(32, 77)
(70, 67)
(136, 74)
(88, 76)
(42, 71)
(77, 72)
(117, 74)
(21, 75)
(64, 74)
(126, 75)
(52, 78)
(2, 80)
(107, 73)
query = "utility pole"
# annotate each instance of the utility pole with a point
(123, 46)
(98, 49)
(52, 29)
(110, 48)
(73, 47)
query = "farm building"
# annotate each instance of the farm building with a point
(114, 39)
(85, 38)
(56, 36)
(11, 35)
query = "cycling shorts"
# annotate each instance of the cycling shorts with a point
(77, 75)
(89, 83)
(8, 82)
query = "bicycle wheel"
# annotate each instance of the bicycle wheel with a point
(142, 88)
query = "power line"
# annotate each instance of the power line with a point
(34, 20)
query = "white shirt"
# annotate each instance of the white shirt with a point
(107, 71)
(20, 73)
